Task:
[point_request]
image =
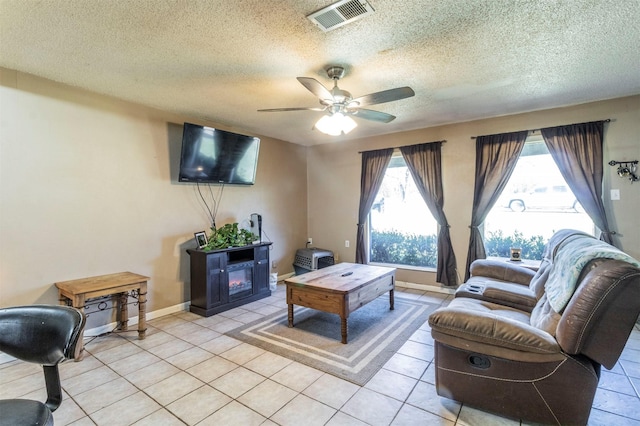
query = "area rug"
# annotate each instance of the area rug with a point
(375, 333)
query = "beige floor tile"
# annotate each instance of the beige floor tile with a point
(133, 363)
(342, 419)
(412, 416)
(224, 326)
(18, 370)
(372, 408)
(189, 358)
(297, 376)
(422, 336)
(196, 405)
(220, 344)
(68, 412)
(237, 382)
(392, 384)
(117, 353)
(603, 418)
(184, 329)
(170, 348)
(151, 374)
(267, 398)
(472, 417)
(417, 350)
(616, 382)
(71, 368)
(409, 366)
(153, 340)
(104, 395)
(211, 369)
(234, 414)
(267, 364)
(331, 390)
(242, 353)
(126, 411)
(160, 417)
(617, 403)
(83, 421)
(424, 396)
(22, 386)
(89, 380)
(173, 388)
(102, 343)
(303, 410)
(167, 321)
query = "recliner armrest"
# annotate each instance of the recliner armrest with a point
(470, 320)
(502, 270)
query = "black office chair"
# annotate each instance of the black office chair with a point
(42, 334)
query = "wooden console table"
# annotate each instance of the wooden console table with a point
(76, 293)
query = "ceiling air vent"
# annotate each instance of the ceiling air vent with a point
(340, 13)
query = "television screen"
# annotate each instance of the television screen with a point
(216, 156)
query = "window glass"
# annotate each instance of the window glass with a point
(402, 231)
(535, 203)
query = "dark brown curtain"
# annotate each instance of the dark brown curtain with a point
(577, 150)
(424, 163)
(374, 165)
(496, 157)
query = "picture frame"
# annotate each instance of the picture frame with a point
(201, 239)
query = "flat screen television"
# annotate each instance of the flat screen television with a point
(216, 156)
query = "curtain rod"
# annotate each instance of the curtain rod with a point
(398, 147)
(537, 130)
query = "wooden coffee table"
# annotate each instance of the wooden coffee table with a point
(340, 289)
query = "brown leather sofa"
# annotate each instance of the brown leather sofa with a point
(510, 342)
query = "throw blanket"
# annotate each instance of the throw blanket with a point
(574, 254)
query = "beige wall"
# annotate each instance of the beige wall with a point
(334, 175)
(88, 186)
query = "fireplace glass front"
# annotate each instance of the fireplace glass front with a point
(240, 280)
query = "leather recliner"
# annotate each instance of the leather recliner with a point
(537, 364)
(41, 334)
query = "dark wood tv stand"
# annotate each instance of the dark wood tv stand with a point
(228, 278)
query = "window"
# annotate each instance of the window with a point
(402, 231)
(535, 203)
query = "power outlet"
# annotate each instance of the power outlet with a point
(615, 194)
(274, 264)
(309, 240)
(346, 243)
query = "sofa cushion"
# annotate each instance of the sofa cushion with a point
(471, 320)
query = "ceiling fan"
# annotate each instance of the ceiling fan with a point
(340, 105)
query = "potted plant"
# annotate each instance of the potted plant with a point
(230, 235)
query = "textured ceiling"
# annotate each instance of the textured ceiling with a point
(222, 60)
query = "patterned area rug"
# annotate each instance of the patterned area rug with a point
(375, 333)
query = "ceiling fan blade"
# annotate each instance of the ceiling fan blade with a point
(315, 87)
(384, 96)
(369, 114)
(290, 109)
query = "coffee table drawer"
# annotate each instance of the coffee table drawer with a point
(327, 302)
(370, 292)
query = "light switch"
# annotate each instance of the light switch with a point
(615, 194)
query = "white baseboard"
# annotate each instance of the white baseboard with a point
(182, 307)
(97, 331)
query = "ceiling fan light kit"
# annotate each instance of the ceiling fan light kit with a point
(336, 124)
(340, 105)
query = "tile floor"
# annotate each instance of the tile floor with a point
(187, 372)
